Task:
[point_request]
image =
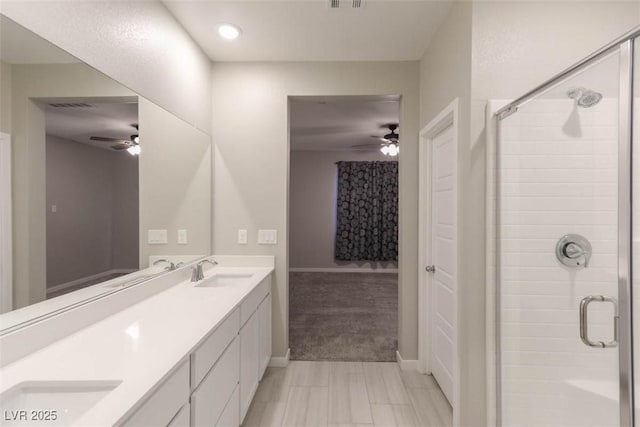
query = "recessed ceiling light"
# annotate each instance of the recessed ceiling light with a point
(228, 31)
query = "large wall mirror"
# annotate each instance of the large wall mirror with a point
(99, 187)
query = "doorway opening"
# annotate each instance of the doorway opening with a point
(92, 195)
(343, 228)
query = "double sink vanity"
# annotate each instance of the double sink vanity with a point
(169, 351)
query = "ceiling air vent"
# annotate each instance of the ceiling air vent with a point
(345, 4)
(71, 105)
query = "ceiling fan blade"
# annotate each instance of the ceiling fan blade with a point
(366, 146)
(105, 139)
(120, 146)
(370, 144)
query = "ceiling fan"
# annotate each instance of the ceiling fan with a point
(390, 145)
(132, 145)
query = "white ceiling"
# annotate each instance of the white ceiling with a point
(107, 119)
(308, 30)
(339, 123)
(20, 46)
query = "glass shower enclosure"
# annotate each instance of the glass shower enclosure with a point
(567, 241)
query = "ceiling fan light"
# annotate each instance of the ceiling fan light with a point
(385, 150)
(134, 150)
(135, 139)
(393, 150)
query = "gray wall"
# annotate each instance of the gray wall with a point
(250, 116)
(312, 208)
(95, 226)
(445, 74)
(126, 212)
(138, 43)
(175, 183)
(5, 98)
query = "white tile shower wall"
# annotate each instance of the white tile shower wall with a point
(558, 175)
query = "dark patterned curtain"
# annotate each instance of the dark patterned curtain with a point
(367, 211)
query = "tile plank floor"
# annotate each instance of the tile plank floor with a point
(345, 394)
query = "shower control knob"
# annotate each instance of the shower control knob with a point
(430, 268)
(574, 250)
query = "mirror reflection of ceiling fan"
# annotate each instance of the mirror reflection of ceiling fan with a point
(132, 145)
(390, 145)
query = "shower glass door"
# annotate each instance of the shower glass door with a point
(558, 251)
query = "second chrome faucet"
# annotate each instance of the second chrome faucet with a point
(197, 273)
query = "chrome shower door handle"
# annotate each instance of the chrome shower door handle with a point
(584, 317)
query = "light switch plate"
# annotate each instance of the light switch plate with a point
(157, 237)
(242, 237)
(182, 237)
(267, 237)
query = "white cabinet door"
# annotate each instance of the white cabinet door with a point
(210, 398)
(230, 415)
(206, 355)
(264, 317)
(160, 408)
(249, 362)
(182, 418)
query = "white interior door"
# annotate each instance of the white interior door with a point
(443, 259)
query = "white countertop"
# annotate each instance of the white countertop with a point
(138, 346)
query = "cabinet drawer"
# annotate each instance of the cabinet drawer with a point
(182, 418)
(204, 357)
(165, 402)
(212, 395)
(230, 415)
(250, 303)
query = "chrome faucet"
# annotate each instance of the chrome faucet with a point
(169, 267)
(197, 273)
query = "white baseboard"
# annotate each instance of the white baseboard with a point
(343, 270)
(406, 365)
(280, 362)
(66, 285)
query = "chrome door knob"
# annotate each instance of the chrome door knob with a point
(430, 268)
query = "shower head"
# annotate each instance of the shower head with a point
(584, 97)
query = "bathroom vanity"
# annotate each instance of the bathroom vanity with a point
(189, 354)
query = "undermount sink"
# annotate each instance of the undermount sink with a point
(224, 279)
(51, 403)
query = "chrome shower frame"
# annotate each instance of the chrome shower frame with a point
(624, 45)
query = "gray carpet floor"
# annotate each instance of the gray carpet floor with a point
(343, 316)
